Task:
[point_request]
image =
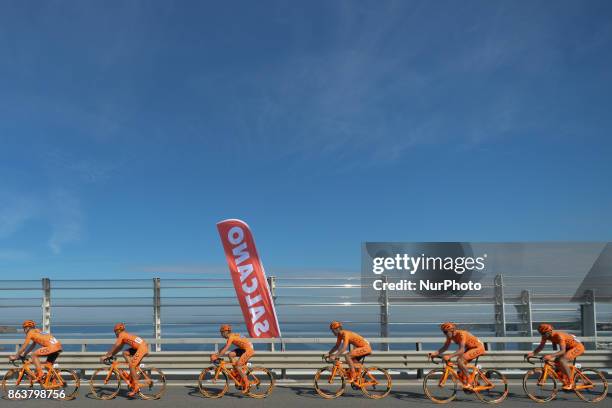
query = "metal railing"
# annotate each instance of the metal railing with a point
(163, 309)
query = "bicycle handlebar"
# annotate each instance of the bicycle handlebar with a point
(14, 362)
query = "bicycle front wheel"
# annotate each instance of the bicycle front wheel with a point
(69, 384)
(16, 387)
(104, 384)
(375, 382)
(213, 384)
(590, 385)
(152, 383)
(329, 384)
(495, 387)
(439, 386)
(261, 382)
(537, 387)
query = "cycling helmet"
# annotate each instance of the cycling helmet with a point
(448, 326)
(545, 328)
(29, 324)
(225, 328)
(119, 327)
(335, 325)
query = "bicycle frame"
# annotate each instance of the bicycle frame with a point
(549, 369)
(52, 380)
(118, 366)
(338, 369)
(231, 373)
(474, 371)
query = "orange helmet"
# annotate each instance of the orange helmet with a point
(28, 324)
(119, 327)
(335, 325)
(448, 326)
(225, 327)
(545, 328)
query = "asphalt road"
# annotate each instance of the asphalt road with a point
(301, 395)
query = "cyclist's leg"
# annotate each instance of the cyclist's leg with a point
(570, 355)
(245, 356)
(353, 356)
(135, 360)
(467, 357)
(43, 351)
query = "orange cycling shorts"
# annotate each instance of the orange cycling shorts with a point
(574, 352)
(471, 354)
(45, 351)
(138, 354)
(361, 351)
(245, 357)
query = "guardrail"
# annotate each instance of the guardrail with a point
(401, 361)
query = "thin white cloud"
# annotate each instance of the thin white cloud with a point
(66, 219)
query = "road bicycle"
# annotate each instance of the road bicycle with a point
(105, 382)
(440, 384)
(214, 381)
(20, 383)
(330, 381)
(540, 384)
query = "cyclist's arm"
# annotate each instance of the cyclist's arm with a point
(562, 350)
(540, 347)
(25, 348)
(443, 348)
(460, 350)
(115, 349)
(335, 348)
(225, 348)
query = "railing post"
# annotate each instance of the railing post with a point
(46, 305)
(524, 310)
(157, 311)
(500, 310)
(272, 286)
(419, 373)
(588, 312)
(384, 314)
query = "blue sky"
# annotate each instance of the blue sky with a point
(128, 129)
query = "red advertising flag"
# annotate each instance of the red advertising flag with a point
(249, 279)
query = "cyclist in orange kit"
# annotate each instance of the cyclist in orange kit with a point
(49, 347)
(244, 351)
(470, 347)
(569, 349)
(361, 347)
(133, 356)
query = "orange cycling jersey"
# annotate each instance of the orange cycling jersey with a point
(240, 342)
(130, 339)
(42, 339)
(463, 336)
(561, 339)
(351, 338)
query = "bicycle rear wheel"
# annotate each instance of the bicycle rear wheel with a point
(152, 383)
(213, 384)
(439, 389)
(14, 388)
(499, 390)
(538, 388)
(376, 382)
(329, 386)
(261, 382)
(70, 383)
(590, 385)
(104, 384)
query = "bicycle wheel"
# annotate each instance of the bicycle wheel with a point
(329, 386)
(438, 388)
(261, 382)
(213, 384)
(499, 390)
(152, 383)
(70, 384)
(375, 382)
(105, 383)
(590, 385)
(16, 388)
(537, 388)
